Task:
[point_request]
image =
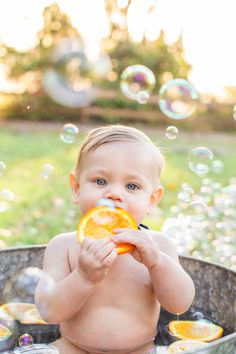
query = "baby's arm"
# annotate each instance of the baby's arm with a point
(173, 287)
(62, 292)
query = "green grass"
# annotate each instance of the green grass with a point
(42, 208)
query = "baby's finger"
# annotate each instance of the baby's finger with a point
(87, 242)
(110, 258)
(130, 237)
(116, 231)
(97, 244)
(104, 251)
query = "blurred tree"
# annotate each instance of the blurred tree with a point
(30, 64)
(165, 60)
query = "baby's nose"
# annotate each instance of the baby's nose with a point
(115, 195)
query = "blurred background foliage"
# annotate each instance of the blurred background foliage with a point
(165, 60)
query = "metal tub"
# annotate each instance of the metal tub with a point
(215, 291)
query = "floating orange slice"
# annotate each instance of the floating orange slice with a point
(5, 332)
(183, 345)
(196, 330)
(100, 222)
(32, 316)
(23, 312)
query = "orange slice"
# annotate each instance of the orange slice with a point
(196, 330)
(18, 309)
(5, 332)
(100, 222)
(183, 345)
(32, 316)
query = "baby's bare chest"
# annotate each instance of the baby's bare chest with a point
(126, 275)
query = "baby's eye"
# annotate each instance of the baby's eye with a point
(132, 186)
(101, 181)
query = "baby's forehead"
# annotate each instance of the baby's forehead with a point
(143, 151)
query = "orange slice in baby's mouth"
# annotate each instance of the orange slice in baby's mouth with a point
(197, 330)
(100, 222)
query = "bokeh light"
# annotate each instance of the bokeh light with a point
(2, 168)
(47, 171)
(217, 166)
(178, 99)
(137, 83)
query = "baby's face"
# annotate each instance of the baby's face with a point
(121, 172)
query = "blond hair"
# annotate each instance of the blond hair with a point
(115, 133)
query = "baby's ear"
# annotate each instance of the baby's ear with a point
(155, 198)
(74, 188)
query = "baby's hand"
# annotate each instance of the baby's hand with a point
(96, 257)
(146, 251)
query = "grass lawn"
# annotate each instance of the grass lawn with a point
(42, 208)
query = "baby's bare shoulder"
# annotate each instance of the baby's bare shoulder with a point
(56, 257)
(165, 244)
(62, 242)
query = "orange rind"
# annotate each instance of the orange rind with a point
(195, 330)
(183, 345)
(5, 332)
(100, 222)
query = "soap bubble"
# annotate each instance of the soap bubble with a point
(106, 202)
(69, 133)
(25, 340)
(37, 349)
(199, 160)
(196, 207)
(217, 166)
(137, 83)
(47, 171)
(143, 97)
(8, 331)
(70, 80)
(2, 168)
(21, 287)
(6, 196)
(234, 112)
(186, 193)
(178, 99)
(171, 132)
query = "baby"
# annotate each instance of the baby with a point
(104, 302)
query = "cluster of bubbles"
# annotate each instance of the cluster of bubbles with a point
(177, 98)
(203, 224)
